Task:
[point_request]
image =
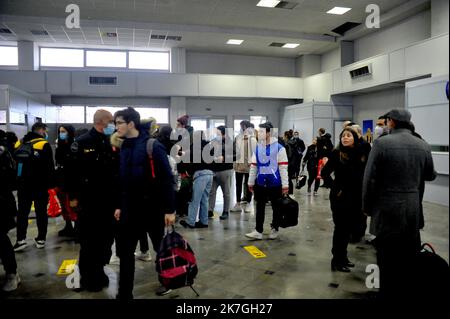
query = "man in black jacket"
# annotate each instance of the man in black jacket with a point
(9, 210)
(91, 187)
(147, 195)
(35, 171)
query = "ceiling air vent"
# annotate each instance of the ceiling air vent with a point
(4, 30)
(343, 28)
(276, 44)
(164, 37)
(362, 71)
(103, 80)
(286, 5)
(39, 32)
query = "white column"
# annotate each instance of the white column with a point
(177, 109)
(178, 60)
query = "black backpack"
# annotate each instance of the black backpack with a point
(25, 153)
(432, 273)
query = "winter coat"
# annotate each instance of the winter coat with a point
(269, 166)
(397, 168)
(8, 208)
(145, 191)
(227, 152)
(324, 145)
(245, 148)
(348, 166)
(311, 159)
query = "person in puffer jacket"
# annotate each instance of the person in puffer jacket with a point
(268, 179)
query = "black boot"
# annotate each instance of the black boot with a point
(338, 266)
(67, 231)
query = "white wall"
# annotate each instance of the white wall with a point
(318, 87)
(408, 31)
(439, 17)
(213, 63)
(372, 105)
(97, 101)
(308, 65)
(236, 108)
(331, 60)
(428, 104)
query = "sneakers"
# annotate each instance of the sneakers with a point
(210, 214)
(39, 243)
(237, 208)
(143, 256)
(309, 193)
(20, 245)
(12, 282)
(316, 194)
(162, 291)
(254, 235)
(248, 208)
(273, 234)
(224, 216)
(114, 260)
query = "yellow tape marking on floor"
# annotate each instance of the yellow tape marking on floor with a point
(255, 252)
(67, 267)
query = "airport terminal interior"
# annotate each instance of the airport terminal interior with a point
(312, 67)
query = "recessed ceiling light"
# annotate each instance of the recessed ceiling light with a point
(291, 45)
(268, 3)
(338, 10)
(235, 42)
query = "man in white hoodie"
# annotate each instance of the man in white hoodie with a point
(268, 179)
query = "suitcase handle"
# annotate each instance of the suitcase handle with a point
(429, 246)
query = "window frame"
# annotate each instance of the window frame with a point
(10, 67)
(41, 67)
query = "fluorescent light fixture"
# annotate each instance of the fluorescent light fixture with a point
(268, 3)
(235, 42)
(291, 45)
(338, 10)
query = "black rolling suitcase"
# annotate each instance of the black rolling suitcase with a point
(288, 212)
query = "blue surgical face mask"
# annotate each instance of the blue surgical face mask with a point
(109, 130)
(46, 136)
(63, 136)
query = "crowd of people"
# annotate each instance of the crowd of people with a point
(105, 176)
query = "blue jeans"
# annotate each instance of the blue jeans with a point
(200, 195)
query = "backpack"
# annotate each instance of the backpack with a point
(150, 142)
(25, 153)
(432, 273)
(176, 264)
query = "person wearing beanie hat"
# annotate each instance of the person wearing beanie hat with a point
(182, 121)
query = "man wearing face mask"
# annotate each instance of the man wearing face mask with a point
(381, 128)
(91, 187)
(35, 172)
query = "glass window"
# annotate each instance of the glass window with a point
(160, 114)
(70, 114)
(2, 117)
(113, 59)
(72, 58)
(9, 56)
(199, 124)
(149, 60)
(90, 111)
(256, 120)
(16, 117)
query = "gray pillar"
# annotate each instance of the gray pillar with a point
(178, 60)
(28, 55)
(347, 53)
(177, 109)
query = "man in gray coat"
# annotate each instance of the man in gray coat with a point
(397, 168)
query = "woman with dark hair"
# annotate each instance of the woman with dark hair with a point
(66, 136)
(348, 162)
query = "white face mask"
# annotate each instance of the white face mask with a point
(378, 131)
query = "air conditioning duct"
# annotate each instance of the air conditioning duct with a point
(361, 71)
(103, 80)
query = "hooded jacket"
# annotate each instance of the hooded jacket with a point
(40, 173)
